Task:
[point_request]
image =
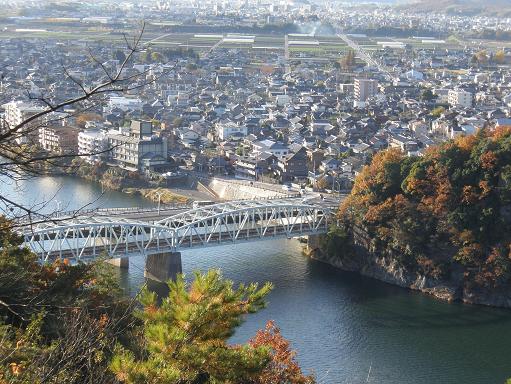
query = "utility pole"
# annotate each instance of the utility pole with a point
(159, 193)
(58, 203)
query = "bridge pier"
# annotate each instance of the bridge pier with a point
(161, 267)
(121, 262)
(314, 245)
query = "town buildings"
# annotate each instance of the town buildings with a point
(223, 104)
(137, 149)
(229, 129)
(459, 98)
(59, 139)
(18, 111)
(92, 144)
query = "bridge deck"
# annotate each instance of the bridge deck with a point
(225, 223)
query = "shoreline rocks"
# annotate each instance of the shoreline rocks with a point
(387, 270)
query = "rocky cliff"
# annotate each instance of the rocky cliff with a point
(387, 269)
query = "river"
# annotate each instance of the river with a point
(341, 324)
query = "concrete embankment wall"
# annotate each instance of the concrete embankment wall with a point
(236, 190)
(204, 187)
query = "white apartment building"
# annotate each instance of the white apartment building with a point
(442, 95)
(125, 103)
(15, 113)
(363, 90)
(228, 129)
(59, 139)
(277, 149)
(91, 144)
(459, 98)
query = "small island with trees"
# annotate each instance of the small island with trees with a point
(439, 223)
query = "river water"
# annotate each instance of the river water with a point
(345, 328)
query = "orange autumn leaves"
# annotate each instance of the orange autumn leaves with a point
(447, 206)
(283, 367)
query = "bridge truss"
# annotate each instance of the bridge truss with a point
(219, 224)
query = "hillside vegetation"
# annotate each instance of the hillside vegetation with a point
(446, 213)
(500, 8)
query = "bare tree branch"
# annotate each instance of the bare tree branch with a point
(18, 143)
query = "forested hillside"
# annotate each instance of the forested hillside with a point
(445, 216)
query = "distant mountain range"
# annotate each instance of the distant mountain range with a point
(500, 8)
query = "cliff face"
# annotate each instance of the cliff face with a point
(387, 269)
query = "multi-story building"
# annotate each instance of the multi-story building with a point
(442, 95)
(253, 167)
(460, 98)
(230, 129)
(293, 166)
(363, 90)
(276, 148)
(124, 103)
(15, 113)
(139, 150)
(92, 144)
(60, 139)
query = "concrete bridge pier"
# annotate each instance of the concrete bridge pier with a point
(314, 245)
(121, 262)
(161, 267)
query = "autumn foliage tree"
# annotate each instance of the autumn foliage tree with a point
(500, 57)
(348, 61)
(58, 322)
(448, 209)
(282, 367)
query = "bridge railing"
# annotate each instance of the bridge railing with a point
(102, 211)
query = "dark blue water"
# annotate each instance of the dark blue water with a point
(342, 325)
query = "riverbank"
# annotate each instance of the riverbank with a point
(163, 195)
(131, 183)
(387, 269)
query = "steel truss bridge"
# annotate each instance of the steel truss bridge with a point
(85, 238)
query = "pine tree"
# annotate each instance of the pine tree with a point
(185, 338)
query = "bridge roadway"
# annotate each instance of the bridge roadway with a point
(154, 214)
(129, 233)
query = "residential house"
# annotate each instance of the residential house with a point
(293, 166)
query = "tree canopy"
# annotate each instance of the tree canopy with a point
(450, 207)
(185, 338)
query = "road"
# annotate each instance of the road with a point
(361, 53)
(158, 38)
